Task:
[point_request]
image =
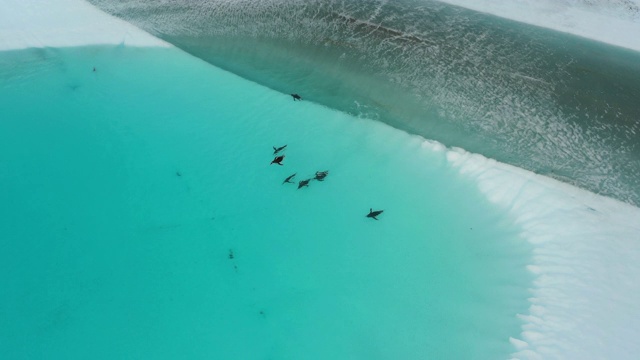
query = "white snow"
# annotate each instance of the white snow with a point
(585, 300)
(612, 22)
(63, 23)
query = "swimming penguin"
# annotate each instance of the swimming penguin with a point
(288, 179)
(320, 175)
(296, 97)
(278, 160)
(303, 183)
(277, 150)
(373, 214)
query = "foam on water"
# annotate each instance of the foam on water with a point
(585, 301)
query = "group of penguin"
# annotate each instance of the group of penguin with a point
(319, 176)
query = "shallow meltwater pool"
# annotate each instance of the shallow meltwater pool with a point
(142, 218)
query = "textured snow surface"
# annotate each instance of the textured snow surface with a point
(62, 23)
(615, 22)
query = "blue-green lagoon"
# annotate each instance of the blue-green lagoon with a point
(141, 218)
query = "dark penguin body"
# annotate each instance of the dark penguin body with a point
(296, 97)
(278, 160)
(303, 183)
(373, 214)
(276, 150)
(288, 179)
(320, 175)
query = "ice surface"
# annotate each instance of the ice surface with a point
(60, 23)
(612, 22)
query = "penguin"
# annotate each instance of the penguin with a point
(277, 150)
(320, 175)
(373, 214)
(278, 160)
(288, 179)
(303, 183)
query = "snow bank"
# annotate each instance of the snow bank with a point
(585, 300)
(61, 23)
(612, 22)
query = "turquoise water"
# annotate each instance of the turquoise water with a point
(126, 190)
